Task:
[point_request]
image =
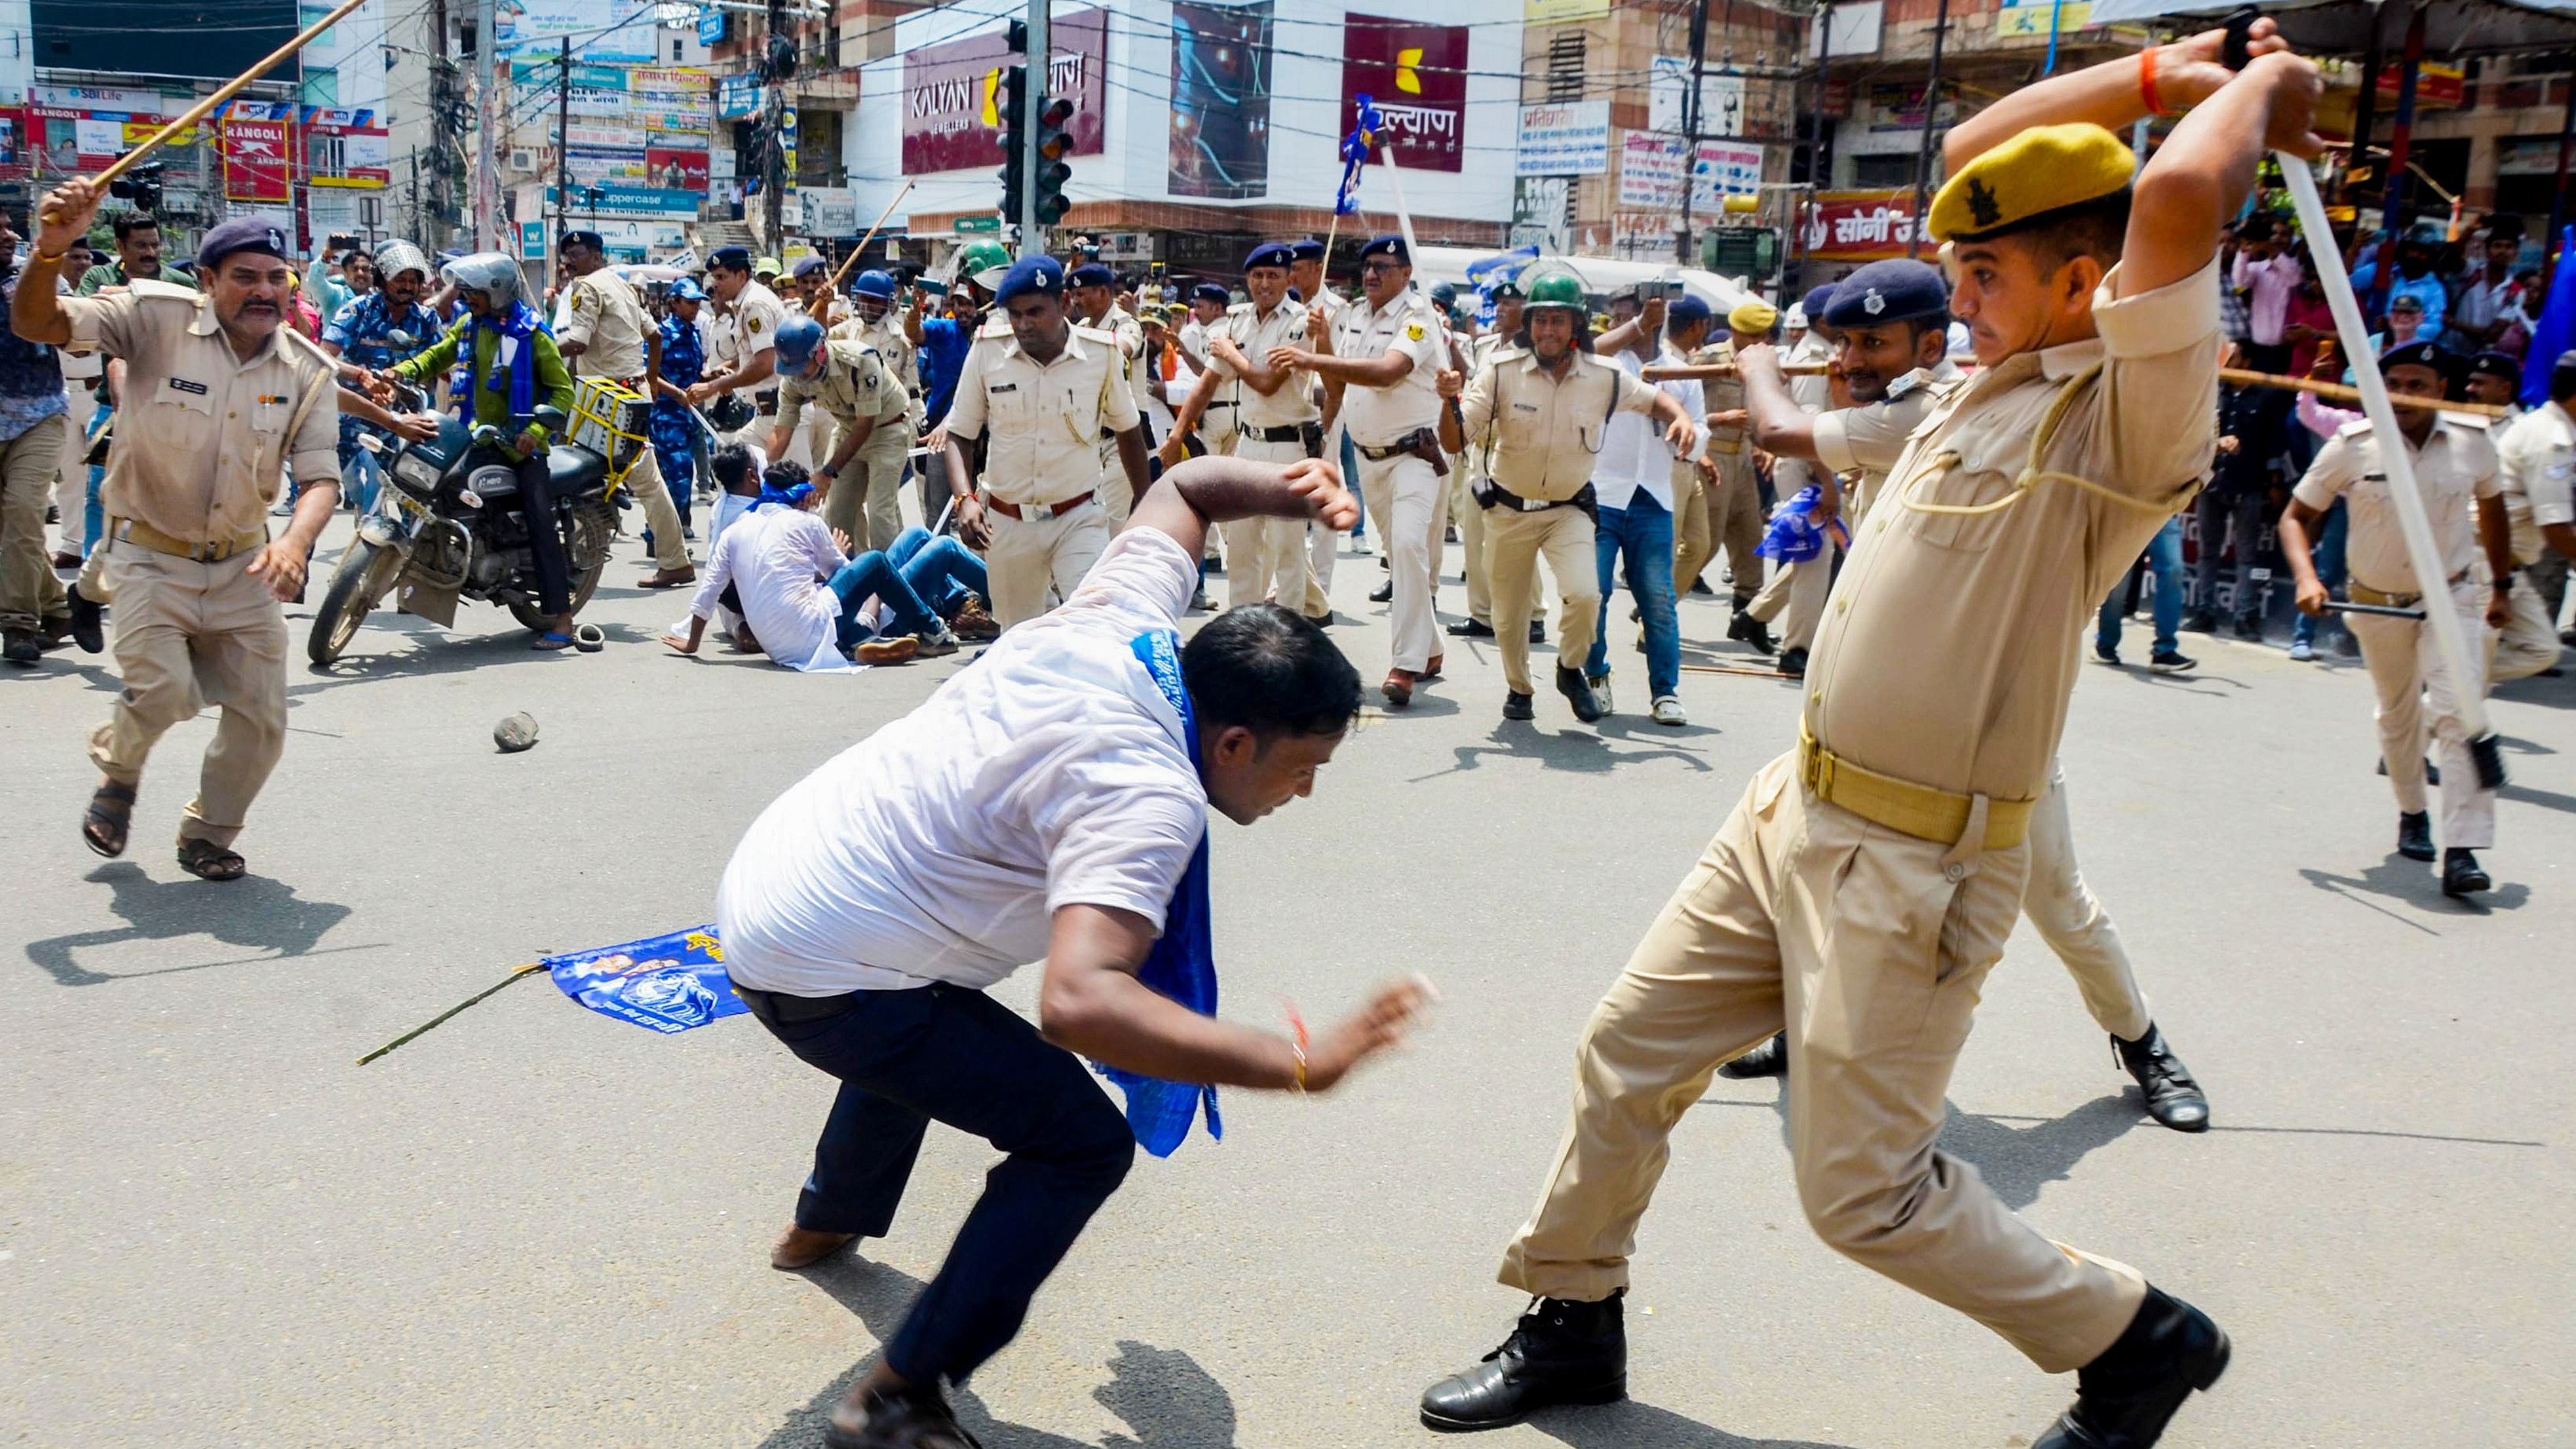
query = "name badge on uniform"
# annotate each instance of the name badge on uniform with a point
(1003, 387)
(1522, 407)
(194, 389)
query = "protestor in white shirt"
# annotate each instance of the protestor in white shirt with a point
(1633, 480)
(1049, 804)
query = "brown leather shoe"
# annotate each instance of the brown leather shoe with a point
(887, 651)
(1432, 669)
(668, 578)
(804, 1247)
(974, 625)
(1398, 687)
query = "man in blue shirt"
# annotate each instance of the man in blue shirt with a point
(944, 340)
(674, 429)
(374, 330)
(2415, 278)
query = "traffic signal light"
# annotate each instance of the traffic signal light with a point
(1055, 142)
(1008, 104)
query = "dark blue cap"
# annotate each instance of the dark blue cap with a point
(1815, 303)
(588, 239)
(1507, 287)
(1041, 275)
(873, 283)
(2418, 354)
(1896, 290)
(1092, 274)
(1275, 254)
(1210, 292)
(807, 266)
(732, 259)
(241, 234)
(687, 290)
(1387, 246)
(1296, 296)
(1687, 308)
(1306, 249)
(2502, 364)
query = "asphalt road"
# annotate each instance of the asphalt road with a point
(537, 1226)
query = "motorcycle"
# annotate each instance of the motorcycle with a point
(449, 523)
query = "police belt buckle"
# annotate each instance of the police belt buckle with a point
(1922, 811)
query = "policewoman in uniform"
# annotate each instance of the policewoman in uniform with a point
(221, 399)
(610, 335)
(849, 384)
(1541, 410)
(2536, 459)
(1479, 470)
(1382, 362)
(1867, 880)
(1275, 420)
(1042, 389)
(2455, 471)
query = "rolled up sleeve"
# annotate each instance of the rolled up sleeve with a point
(1869, 438)
(2159, 366)
(2328, 475)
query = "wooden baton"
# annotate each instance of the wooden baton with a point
(821, 309)
(226, 92)
(2340, 392)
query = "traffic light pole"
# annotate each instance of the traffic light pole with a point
(1040, 53)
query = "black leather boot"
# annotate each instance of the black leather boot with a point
(1578, 692)
(1771, 1059)
(2415, 835)
(1745, 629)
(2173, 1098)
(1562, 1352)
(2124, 1399)
(2462, 876)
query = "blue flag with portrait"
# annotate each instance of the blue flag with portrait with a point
(662, 983)
(2555, 329)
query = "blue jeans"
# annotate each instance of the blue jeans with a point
(93, 517)
(1644, 532)
(901, 580)
(943, 1053)
(944, 572)
(2164, 563)
(2328, 557)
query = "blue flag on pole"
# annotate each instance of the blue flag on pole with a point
(662, 983)
(1355, 153)
(1488, 273)
(2556, 329)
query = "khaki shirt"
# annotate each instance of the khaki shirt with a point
(893, 349)
(608, 319)
(1545, 430)
(1867, 441)
(1814, 393)
(1045, 420)
(1294, 402)
(745, 328)
(203, 437)
(1950, 647)
(1484, 350)
(1409, 324)
(1722, 394)
(2536, 462)
(2455, 467)
(855, 384)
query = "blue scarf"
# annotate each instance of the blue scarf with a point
(514, 354)
(789, 496)
(1793, 536)
(1182, 963)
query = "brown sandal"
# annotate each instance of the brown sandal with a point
(104, 824)
(208, 861)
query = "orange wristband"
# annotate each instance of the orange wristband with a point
(2147, 82)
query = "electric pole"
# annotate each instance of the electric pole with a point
(1032, 220)
(487, 179)
(1690, 129)
(563, 157)
(1931, 122)
(777, 64)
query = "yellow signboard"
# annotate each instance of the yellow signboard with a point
(2033, 17)
(138, 132)
(1558, 12)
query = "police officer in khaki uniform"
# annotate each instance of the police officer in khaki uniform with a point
(2536, 460)
(2455, 471)
(1275, 420)
(742, 342)
(1539, 412)
(1307, 285)
(864, 410)
(1735, 518)
(1381, 362)
(610, 335)
(1043, 388)
(1866, 882)
(1091, 298)
(1479, 469)
(221, 399)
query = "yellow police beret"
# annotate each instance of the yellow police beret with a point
(1753, 318)
(2044, 169)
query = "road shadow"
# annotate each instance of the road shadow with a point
(1574, 748)
(1167, 1400)
(2016, 1161)
(254, 913)
(2537, 689)
(92, 676)
(2417, 883)
(1629, 1424)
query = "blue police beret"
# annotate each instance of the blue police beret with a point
(588, 239)
(2502, 364)
(1507, 287)
(1896, 290)
(1387, 246)
(2418, 354)
(1296, 296)
(1306, 249)
(732, 259)
(1210, 292)
(797, 339)
(873, 283)
(808, 266)
(241, 234)
(1275, 254)
(1815, 302)
(1687, 308)
(1092, 274)
(1040, 275)
(687, 290)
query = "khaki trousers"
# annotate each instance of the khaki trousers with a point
(2407, 670)
(1870, 946)
(670, 543)
(2062, 909)
(1404, 492)
(1735, 522)
(1797, 590)
(1691, 546)
(1027, 558)
(2529, 644)
(30, 591)
(187, 632)
(1264, 556)
(866, 501)
(1513, 542)
(1117, 497)
(1471, 539)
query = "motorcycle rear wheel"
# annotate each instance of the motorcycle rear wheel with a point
(595, 532)
(364, 575)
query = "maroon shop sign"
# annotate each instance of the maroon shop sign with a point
(1417, 75)
(946, 126)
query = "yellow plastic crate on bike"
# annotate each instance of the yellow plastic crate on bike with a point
(610, 419)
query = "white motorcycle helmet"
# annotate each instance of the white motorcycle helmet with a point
(494, 274)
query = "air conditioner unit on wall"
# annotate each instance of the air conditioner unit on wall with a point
(523, 159)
